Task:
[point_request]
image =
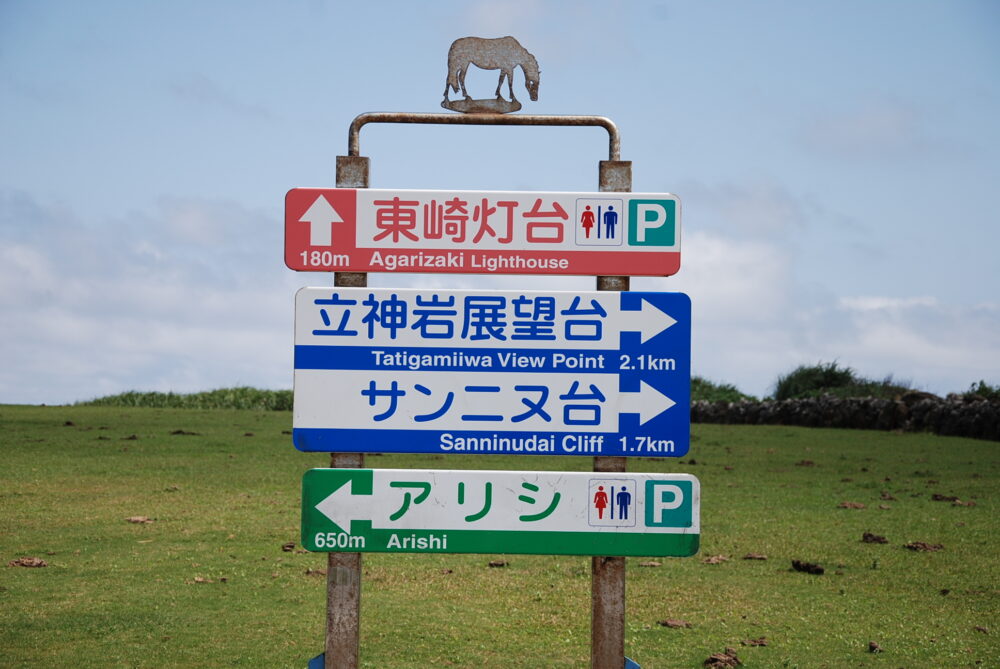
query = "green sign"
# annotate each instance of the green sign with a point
(652, 222)
(455, 511)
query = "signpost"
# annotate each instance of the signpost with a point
(607, 374)
(491, 232)
(523, 372)
(454, 511)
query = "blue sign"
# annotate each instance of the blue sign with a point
(461, 371)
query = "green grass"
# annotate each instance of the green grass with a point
(226, 498)
(223, 398)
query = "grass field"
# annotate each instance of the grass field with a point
(206, 582)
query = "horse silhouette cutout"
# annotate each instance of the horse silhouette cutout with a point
(504, 54)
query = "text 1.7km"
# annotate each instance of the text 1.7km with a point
(645, 444)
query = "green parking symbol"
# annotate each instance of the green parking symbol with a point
(652, 222)
(668, 503)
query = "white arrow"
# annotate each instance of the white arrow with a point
(648, 402)
(647, 321)
(321, 216)
(342, 506)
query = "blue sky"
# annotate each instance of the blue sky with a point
(837, 164)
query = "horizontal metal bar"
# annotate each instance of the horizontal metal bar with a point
(353, 139)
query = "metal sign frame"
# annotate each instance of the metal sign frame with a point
(344, 569)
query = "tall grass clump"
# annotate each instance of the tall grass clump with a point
(223, 398)
(705, 390)
(805, 380)
(984, 390)
(832, 379)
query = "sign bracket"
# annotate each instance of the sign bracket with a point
(614, 139)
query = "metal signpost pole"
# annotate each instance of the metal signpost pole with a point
(343, 576)
(607, 574)
(615, 176)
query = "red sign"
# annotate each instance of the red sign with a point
(488, 232)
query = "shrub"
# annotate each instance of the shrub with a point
(984, 390)
(806, 381)
(703, 389)
(832, 379)
(223, 398)
(886, 389)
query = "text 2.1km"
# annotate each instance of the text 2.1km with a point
(644, 361)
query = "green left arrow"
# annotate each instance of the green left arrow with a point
(336, 496)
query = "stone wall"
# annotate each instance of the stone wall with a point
(962, 416)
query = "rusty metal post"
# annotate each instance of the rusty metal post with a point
(614, 139)
(607, 574)
(343, 576)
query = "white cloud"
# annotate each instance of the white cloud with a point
(733, 280)
(21, 266)
(753, 321)
(150, 304)
(942, 347)
(761, 209)
(872, 303)
(138, 306)
(742, 307)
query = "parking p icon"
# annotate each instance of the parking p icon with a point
(668, 504)
(652, 222)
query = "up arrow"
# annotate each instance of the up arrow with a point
(649, 320)
(648, 402)
(342, 506)
(321, 216)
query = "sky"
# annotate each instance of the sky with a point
(837, 162)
